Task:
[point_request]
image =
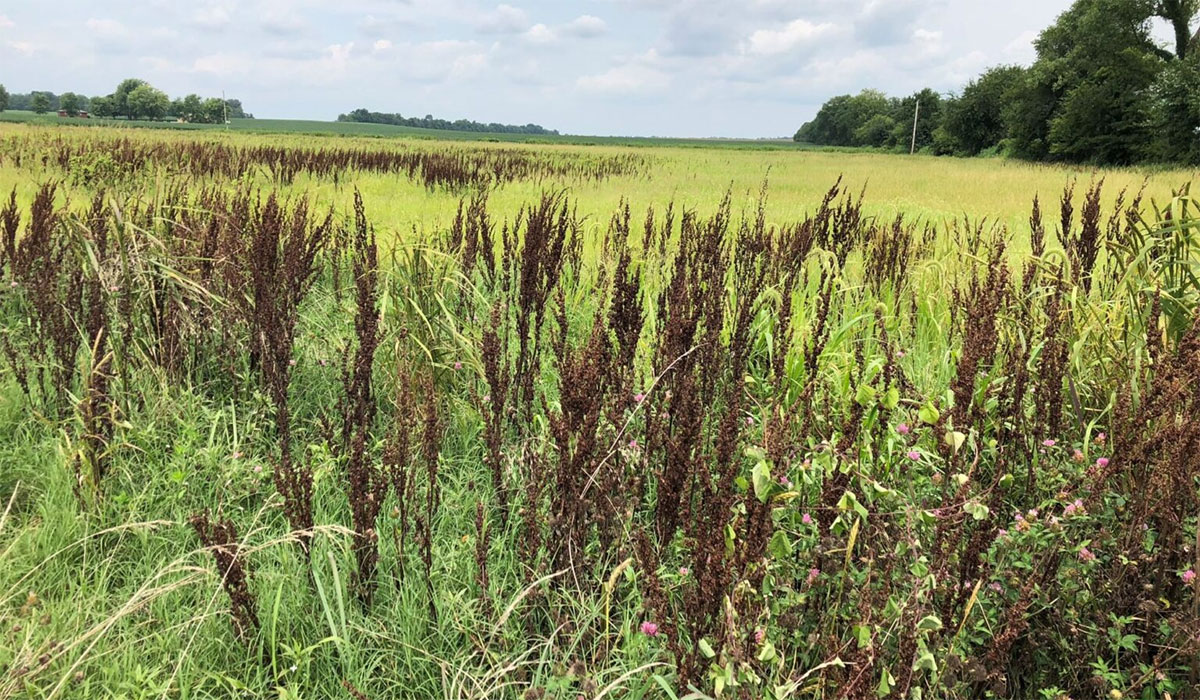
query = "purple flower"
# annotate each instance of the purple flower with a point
(684, 571)
(1188, 576)
(806, 519)
(903, 429)
(457, 366)
(1086, 555)
(995, 586)
(759, 635)
(639, 397)
(813, 575)
(1102, 462)
(1049, 443)
(258, 469)
(914, 455)
(649, 629)
(785, 482)
(633, 445)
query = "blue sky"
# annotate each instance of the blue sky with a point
(647, 67)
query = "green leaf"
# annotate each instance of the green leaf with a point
(925, 662)
(976, 510)
(764, 487)
(891, 399)
(862, 635)
(929, 414)
(865, 396)
(849, 502)
(955, 439)
(779, 546)
(885, 684)
(767, 653)
(706, 649)
(930, 623)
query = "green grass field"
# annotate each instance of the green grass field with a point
(922, 445)
(335, 128)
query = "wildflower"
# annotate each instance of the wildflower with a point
(258, 469)
(1102, 462)
(639, 397)
(1032, 514)
(457, 366)
(649, 629)
(995, 586)
(914, 455)
(1101, 438)
(1049, 443)
(902, 428)
(785, 482)
(1001, 533)
(813, 574)
(487, 397)
(684, 571)
(1188, 576)
(323, 363)
(1078, 456)
(236, 455)
(1086, 556)
(633, 444)
(14, 284)
(749, 420)
(759, 635)
(900, 353)
(291, 363)
(806, 519)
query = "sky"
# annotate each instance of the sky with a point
(733, 68)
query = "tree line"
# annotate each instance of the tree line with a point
(430, 122)
(1101, 91)
(132, 99)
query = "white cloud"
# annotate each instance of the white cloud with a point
(105, 28)
(6, 23)
(505, 19)
(639, 76)
(586, 26)
(212, 18)
(540, 34)
(382, 45)
(24, 48)
(796, 34)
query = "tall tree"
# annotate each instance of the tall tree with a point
(978, 118)
(3, 98)
(70, 103)
(40, 103)
(121, 96)
(1180, 14)
(145, 102)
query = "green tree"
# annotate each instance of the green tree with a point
(1087, 95)
(121, 96)
(876, 132)
(1175, 112)
(145, 102)
(978, 118)
(1180, 14)
(40, 103)
(192, 108)
(841, 117)
(212, 111)
(3, 98)
(70, 103)
(103, 107)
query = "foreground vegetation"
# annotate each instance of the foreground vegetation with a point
(348, 419)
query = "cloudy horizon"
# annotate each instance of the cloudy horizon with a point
(701, 68)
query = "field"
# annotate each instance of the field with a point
(298, 416)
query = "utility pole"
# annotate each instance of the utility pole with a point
(225, 107)
(916, 116)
